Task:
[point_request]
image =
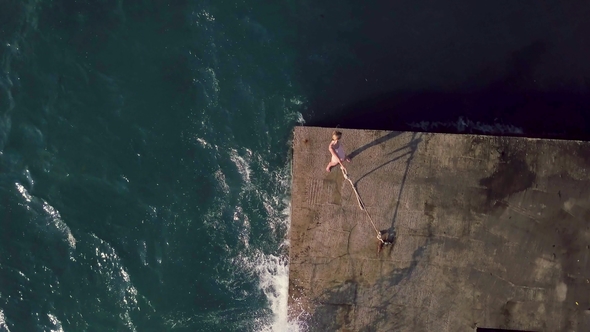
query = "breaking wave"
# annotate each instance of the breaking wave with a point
(47, 217)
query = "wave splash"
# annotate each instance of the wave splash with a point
(273, 272)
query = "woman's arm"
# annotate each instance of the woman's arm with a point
(332, 150)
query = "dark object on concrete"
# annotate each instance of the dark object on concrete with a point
(485, 231)
(388, 239)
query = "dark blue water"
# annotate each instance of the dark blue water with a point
(144, 166)
(144, 145)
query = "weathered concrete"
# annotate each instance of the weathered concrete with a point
(489, 232)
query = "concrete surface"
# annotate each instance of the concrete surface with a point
(489, 232)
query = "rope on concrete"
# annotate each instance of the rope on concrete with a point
(360, 201)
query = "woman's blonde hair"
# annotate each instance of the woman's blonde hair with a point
(336, 134)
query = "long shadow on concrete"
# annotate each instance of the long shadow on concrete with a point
(372, 144)
(413, 146)
(389, 234)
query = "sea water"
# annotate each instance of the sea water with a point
(144, 145)
(144, 167)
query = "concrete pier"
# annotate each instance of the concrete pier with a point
(487, 232)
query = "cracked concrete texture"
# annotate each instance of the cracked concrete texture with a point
(488, 232)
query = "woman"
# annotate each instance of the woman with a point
(337, 151)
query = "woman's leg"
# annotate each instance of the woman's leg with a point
(330, 165)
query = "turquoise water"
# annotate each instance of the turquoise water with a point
(144, 145)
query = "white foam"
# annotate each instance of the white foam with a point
(24, 276)
(213, 77)
(241, 164)
(32, 203)
(282, 220)
(56, 323)
(272, 270)
(210, 83)
(203, 16)
(117, 279)
(220, 177)
(59, 224)
(24, 192)
(300, 119)
(294, 104)
(202, 142)
(143, 252)
(241, 218)
(3, 324)
(29, 178)
(296, 101)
